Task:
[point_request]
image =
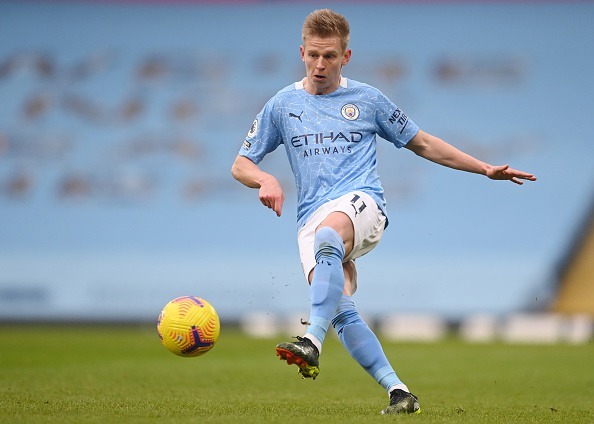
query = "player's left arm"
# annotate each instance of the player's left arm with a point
(436, 150)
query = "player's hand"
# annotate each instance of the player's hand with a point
(271, 195)
(504, 172)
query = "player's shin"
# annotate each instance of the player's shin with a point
(327, 283)
(363, 345)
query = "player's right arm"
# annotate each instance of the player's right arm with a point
(249, 174)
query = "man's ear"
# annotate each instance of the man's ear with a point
(302, 51)
(346, 57)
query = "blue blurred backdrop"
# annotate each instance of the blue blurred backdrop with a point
(119, 123)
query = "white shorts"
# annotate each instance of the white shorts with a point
(368, 222)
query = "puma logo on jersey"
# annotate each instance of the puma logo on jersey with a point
(292, 115)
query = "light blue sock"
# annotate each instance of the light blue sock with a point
(362, 344)
(327, 282)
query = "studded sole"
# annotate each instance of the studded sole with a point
(305, 370)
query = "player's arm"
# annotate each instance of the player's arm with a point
(438, 151)
(249, 174)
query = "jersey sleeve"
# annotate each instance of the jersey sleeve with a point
(393, 124)
(264, 136)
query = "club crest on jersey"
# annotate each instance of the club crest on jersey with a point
(350, 111)
(253, 129)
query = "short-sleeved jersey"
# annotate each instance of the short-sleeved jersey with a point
(330, 140)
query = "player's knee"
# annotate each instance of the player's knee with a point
(328, 242)
(346, 304)
(346, 314)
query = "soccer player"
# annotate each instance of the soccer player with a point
(328, 125)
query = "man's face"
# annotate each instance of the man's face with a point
(324, 60)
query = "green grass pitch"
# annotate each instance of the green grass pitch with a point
(122, 374)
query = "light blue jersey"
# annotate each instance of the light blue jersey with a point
(330, 140)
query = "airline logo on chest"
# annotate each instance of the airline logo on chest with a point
(330, 137)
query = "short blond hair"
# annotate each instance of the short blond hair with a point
(325, 23)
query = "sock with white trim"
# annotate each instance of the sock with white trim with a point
(327, 283)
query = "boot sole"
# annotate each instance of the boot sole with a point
(306, 370)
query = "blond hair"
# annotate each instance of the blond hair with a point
(325, 23)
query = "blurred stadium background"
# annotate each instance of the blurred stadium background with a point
(119, 122)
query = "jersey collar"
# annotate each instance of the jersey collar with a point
(299, 84)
